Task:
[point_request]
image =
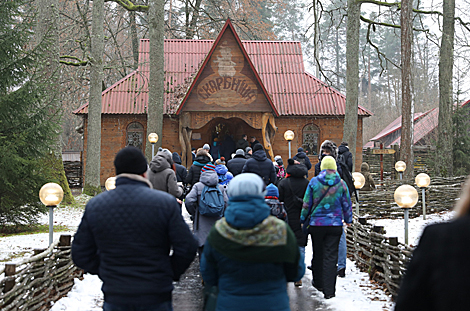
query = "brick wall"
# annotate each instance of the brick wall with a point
(113, 137)
(330, 128)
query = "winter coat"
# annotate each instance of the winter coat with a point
(181, 171)
(215, 150)
(125, 237)
(369, 184)
(235, 165)
(438, 274)
(252, 144)
(347, 156)
(335, 205)
(222, 171)
(289, 188)
(303, 158)
(202, 224)
(261, 166)
(162, 176)
(251, 277)
(242, 144)
(195, 170)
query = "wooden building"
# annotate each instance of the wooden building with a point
(219, 90)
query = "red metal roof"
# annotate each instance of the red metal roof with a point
(279, 65)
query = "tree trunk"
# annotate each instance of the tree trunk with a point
(406, 146)
(135, 39)
(156, 78)
(444, 160)
(47, 29)
(93, 156)
(352, 75)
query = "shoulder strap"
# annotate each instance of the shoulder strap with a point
(311, 210)
(290, 186)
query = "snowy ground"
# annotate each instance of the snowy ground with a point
(354, 292)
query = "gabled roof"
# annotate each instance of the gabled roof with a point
(394, 126)
(424, 124)
(279, 66)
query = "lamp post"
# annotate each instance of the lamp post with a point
(400, 166)
(153, 138)
(51, 194)
(406, 197)
(110, 183)
(422, 181)
(289, 136)
(359, 182)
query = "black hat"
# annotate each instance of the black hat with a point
(257, 147)
(300, 149)
(130, 160)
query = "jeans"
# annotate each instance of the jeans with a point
(342, 252)
(164, 306)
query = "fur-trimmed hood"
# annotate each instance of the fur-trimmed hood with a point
(329, 146)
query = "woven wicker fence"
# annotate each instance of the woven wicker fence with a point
(37, 281)
(383, 258)
(440, 196)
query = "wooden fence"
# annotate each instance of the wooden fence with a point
(37, 281)
(383, 258)
(440, 196)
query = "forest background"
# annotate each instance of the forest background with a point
(323, 42)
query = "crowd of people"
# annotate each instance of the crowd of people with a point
(251, 220)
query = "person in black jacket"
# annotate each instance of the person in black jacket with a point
(235, 165)
(181, 171)
(261, 165)
(346, 155)
(242, 143)
(253, 142)
(125, 237)
(437, 278)
(291, 192)
(302, 157)
(201, 159)
(248, 153)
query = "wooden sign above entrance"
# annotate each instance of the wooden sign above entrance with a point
(383, 151)
(227, 81)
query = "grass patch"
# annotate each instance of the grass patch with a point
(9, 230)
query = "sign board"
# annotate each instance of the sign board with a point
(383, 151)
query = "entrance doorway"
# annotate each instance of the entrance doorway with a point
(222, 134)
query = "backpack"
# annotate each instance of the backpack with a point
(277, 209)
(212, 202)
(347, 177)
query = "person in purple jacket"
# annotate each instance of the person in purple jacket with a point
(327, 198)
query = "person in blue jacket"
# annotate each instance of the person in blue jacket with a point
(125, 237)
(249, 255)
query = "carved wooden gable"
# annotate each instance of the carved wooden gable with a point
(227, 81)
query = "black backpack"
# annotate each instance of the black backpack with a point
(347, 176)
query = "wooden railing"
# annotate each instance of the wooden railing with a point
(383, 258)
(35, 282)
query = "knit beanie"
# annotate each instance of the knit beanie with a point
(246, 184)
(272, 191)
(220, 161)
(328, 163)
(300, 149)
(130, 160)
(257, 147)
(247, 149)
(206, 147)
(208, 166)
(240, 152)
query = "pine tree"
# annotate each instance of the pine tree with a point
(26, 128)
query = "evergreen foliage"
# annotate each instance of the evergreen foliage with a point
(27, 125)
(461, 146)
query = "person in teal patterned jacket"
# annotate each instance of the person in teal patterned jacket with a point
(327, 197)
